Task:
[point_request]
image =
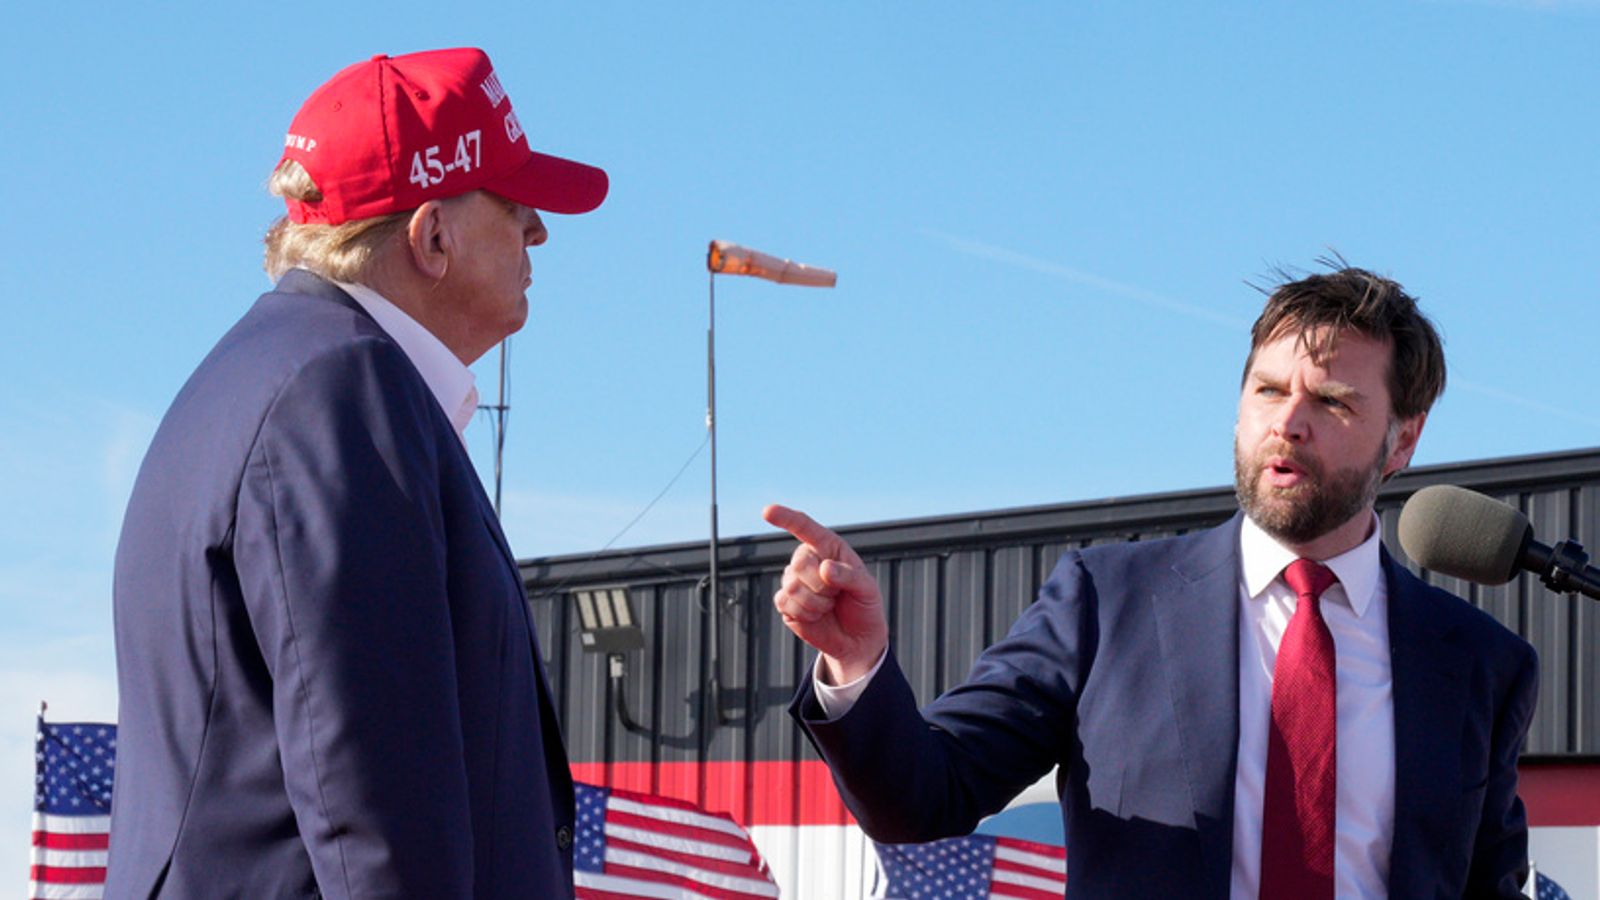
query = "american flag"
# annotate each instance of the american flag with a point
(638, 845)
(71, 810)
(976, 867)
(1547, 889)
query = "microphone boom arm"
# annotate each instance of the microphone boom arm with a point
(1564, 568)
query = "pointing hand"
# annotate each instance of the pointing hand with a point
(829, 599)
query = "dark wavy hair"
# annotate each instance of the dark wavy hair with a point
(1317, 308)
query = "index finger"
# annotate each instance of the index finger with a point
(805, 528)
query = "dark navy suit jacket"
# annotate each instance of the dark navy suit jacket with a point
(329, 680)
(1125, 674)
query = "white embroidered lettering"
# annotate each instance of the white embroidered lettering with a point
(493, 90)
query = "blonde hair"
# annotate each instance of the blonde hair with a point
(343, 252)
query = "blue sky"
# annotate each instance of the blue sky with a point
(1044, 217)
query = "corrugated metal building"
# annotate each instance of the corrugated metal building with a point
(704, 698)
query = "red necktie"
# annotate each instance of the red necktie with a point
(1302, 758)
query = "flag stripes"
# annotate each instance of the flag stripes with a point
(975, 867)
(640, 846)
(1028, 871)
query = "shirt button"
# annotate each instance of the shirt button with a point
(564, 837)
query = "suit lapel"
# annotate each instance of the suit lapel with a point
(1429, 670)
(491, 521)
(1197, 619)
(559, 773)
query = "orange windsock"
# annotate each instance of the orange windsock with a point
(732, 259)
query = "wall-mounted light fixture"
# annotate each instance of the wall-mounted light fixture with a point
(606, 624)
(606, 621)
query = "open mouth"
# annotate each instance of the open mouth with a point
(1281, 471)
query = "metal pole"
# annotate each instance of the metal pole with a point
(714, 585)
(711, 424)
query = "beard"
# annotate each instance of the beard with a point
(1319, 503)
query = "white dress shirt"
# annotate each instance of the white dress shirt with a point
(451, 383)
(1357, 612)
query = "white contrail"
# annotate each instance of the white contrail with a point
(1536, 405)
(1087, 279)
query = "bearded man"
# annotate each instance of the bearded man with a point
(1272, 708)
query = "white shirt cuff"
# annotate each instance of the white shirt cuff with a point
(836, 700)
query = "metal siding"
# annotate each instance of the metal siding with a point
(730, 741)
(916, 622)
(549, 629)
(966, 607)
(1582, 671)
(637, 687)
(1549, 626)
(1015, 585)
(678, 670)
(781, 658)
(587, 702)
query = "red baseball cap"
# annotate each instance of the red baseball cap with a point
(389, 134)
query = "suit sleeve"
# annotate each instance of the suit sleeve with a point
(912, 776)
(341, 557)
(1500, 848)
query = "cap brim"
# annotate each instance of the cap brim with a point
(553, 184)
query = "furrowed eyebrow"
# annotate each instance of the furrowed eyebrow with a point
(1337, 390)
(1328, 390)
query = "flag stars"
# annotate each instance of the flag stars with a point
(75, 766)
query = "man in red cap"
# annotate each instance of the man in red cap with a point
(330, 682)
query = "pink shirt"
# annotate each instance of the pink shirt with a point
(450, 382)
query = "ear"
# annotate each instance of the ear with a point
(428, 240)
(1405, 444)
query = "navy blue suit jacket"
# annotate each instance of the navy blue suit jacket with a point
(1125, 674)
(329, 680)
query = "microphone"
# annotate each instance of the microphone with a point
(1463, 534)
(732, 259)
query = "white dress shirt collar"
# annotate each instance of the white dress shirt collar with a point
(452, 383)
(1358, 568)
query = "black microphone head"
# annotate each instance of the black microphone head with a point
(1464, 534)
